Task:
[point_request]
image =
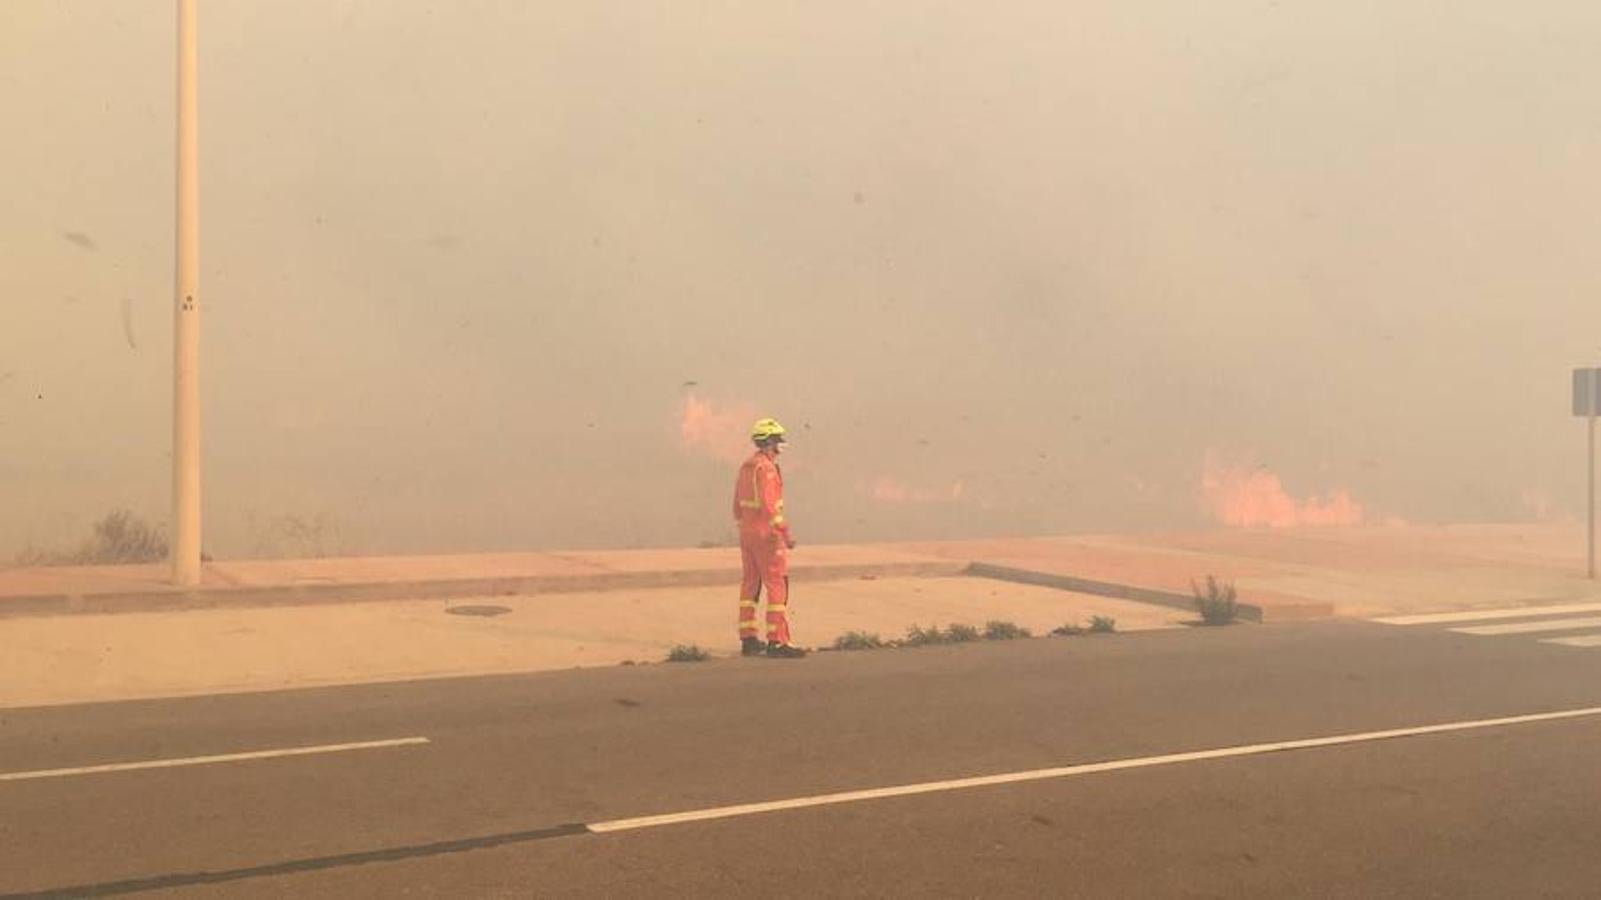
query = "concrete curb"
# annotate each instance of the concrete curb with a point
(169, 599)
(1249, 612)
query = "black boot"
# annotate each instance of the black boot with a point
(751, 646)
(775, 650)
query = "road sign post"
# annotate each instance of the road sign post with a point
(1587, 403)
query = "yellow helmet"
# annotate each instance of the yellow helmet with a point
(766, 430)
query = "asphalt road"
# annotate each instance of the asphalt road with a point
(516, 771)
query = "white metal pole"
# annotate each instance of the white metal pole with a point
(1590, 532)
(186, 314)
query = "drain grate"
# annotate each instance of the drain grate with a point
(471, 610)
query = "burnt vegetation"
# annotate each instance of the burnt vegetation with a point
(118, 537)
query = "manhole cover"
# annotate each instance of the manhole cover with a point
(478, 610)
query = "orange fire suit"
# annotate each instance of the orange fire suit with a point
(764, 546)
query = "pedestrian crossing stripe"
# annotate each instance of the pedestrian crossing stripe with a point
(1479, 615)
(1535, 624)
(1581, 640)
(1532, 627)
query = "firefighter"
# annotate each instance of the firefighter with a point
(764, 545)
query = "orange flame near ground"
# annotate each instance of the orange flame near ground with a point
(1251, 498)
(722, 434)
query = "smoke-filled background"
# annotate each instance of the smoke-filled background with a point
(482, 275)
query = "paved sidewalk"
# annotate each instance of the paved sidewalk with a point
(248, 583)
(1281, 575)
(75, 659)
(259, 625)
(1307, 573)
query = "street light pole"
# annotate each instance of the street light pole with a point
(1587, 403)
(186, 314)
(1589, 534)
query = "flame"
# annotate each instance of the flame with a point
(1248, 498)
(887, 489)
(721, 434)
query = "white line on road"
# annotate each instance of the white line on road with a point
(1583, 640)
(1532, 627)
(930, 787)
(1475, 615)
(208, 760)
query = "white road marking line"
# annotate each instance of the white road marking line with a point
(1474, 615)
(1583, 640)
(929, 787)
(208, 760)
(1531, 627)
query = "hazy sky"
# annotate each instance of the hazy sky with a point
(1020, 267)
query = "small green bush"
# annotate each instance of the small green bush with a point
(1218, 603)
(858, 640)
(998, 630)
(1068, 630)
(687, 653)
(961, 634)
(957, 633)
(1102, 624)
